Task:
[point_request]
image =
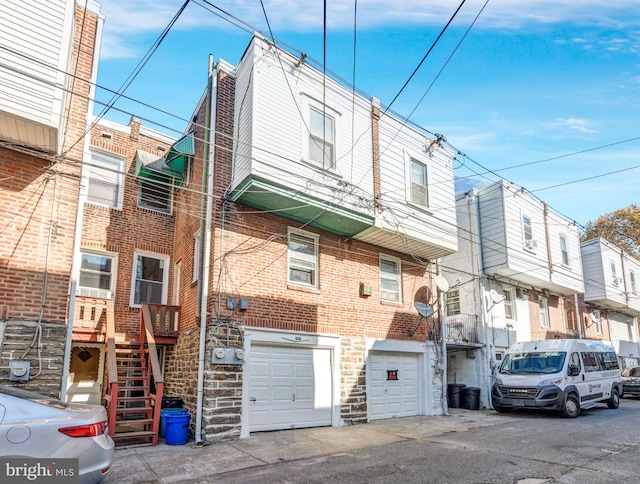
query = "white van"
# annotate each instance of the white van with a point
(566, 375)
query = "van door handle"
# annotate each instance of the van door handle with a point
(252, 399)
(294, 397)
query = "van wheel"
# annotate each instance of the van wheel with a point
(500, 409)
(614, 401)
(571, 407)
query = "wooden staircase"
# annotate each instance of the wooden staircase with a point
(135, 385)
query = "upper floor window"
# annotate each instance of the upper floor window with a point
(544, 311)
(564, 250)
(419, 193)
(614, 275)
(322, 146)
(453, 302)
(527, 230)
(150, 278)
(106, 180)
(632, 282)
(390, 279)
(97, 275)
(509, 307)
(303, 259)
(155, 194)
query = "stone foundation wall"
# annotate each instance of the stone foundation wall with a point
(353, 389)
(46, 354)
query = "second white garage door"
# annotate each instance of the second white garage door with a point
(289, 387)
(393, 388)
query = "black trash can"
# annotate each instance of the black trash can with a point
(472, 398)
(172, 402)
(454, 394)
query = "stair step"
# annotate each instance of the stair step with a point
(133, 435)
(146, 398)
(132, 422)
(132, 378)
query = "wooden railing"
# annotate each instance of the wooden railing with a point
(111, 397)
(147, 332)
(164, 319)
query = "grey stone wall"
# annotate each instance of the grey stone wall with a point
(44, 347)
(353, 388)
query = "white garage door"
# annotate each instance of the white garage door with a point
(289, 388)
(393, 388)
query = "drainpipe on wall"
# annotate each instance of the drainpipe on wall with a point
(77, 238)
(205, 236)
(578, 316)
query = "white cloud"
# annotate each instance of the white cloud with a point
(581, 125)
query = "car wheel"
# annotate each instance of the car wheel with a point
(614, 401)
(571, 407)
(500, 409)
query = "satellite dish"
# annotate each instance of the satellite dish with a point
(595, 316)
(442, 283)
(495, 297)
(425, 310)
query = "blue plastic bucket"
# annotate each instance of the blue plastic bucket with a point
(163, 415)
(177, 431)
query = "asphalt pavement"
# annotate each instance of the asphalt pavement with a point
(190, 463)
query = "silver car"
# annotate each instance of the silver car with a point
(44, 428)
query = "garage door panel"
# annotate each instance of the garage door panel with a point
(392, 398)
(297, 384)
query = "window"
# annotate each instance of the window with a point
(527, 228)
(149, 281)
(614, 277)
(106, 180)
(509, 307)
(632, 282)
(303, 259)
(453, 302)
(197, 262)
(155, 194)
(97, 275)
(390, 279)
(574, 360)
(544, 311)
(322, 149)
(563, 250)
(419, 193)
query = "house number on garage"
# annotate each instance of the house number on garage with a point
(392, 374)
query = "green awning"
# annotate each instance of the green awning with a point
(174, 164)
(176, 159)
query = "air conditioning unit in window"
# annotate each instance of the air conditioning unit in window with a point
(531, 244)
(521, 293)
(616, 281)
(96, 293)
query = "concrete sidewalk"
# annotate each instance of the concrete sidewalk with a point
(177, 463)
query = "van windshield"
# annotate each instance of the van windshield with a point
(538, 363)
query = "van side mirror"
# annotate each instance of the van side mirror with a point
(574, 370)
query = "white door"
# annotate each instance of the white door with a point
(393, 388)
(289, 387)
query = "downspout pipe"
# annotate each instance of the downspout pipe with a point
(208, 155)
(77, 238)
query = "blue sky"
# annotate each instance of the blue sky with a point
(532, 80)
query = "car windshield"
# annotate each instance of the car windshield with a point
(635, 371)
(537, 363)
(32, 396)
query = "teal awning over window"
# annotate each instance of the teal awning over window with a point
(174, 164)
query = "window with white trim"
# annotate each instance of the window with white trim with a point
(632, 282)
(544, 311)
(564, 250)
(155, 194)
(303, 259)
(106, 180)
(419, 193)
(390, 278)
(453, 302)
(509, 306)
(197, 261)
(149, 279)
(322, 146)
(97, 275)
(527, 228)
(614, 276)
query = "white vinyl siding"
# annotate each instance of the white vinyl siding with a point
(149, 279)
(390, 279)
(106, 180)
(303, 259)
